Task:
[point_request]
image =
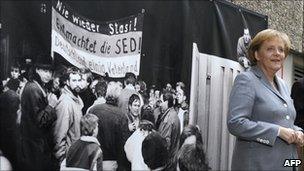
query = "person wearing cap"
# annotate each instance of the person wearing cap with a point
(38, 115)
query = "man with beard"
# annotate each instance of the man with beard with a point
(68, 110)
(38, 114)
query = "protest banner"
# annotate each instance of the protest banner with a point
(112, 47)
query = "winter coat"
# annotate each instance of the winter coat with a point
(85, 153)
(112, 133)
(169, 128)
(36, 120)
(67, 126)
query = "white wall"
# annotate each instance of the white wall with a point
(288, 71)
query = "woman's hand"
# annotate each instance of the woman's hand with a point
(287, 134)
(299, 138)
(132, 126)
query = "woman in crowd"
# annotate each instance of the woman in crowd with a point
(190, 134)
(191, 155)
(85, 153)
(134, 143)
(133, 112)
(261, 113)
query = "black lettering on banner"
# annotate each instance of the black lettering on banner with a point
(117, 45)
(132, 44)
(126, 45)
(105, 48)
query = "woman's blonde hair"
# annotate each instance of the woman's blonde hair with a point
(263, 36)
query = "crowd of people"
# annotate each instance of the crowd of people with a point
(68, 118)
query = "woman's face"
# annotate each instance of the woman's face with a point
(270, 55)
(134, 108)
(15, 72)
(56, 83)
(137, 87)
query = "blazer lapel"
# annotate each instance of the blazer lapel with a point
(259, 73)
(285, 95)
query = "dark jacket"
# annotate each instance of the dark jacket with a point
(124, 97)
(88, 99)
(112, 133)
(9, 104)
(85, 153)
(36, 120)
(169, 128)
(297, 94)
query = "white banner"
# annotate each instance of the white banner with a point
(111, 47)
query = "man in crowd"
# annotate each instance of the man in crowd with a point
(100, 90)
(180, 85)
(38, 115)
(86, 93)
(182, 107)
(242, 47)
(129, 82)
(169, 127)
(113, 130)
(68, 110)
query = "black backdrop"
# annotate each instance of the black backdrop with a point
(170, 28)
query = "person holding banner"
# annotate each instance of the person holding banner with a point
(261, 113)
